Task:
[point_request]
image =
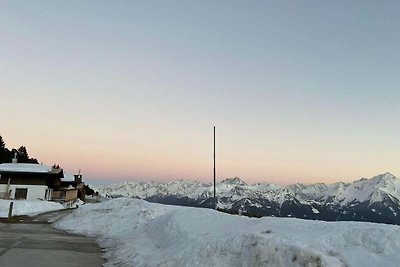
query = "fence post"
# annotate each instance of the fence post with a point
(10, 209)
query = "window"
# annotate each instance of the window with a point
(21, 193)
(47, 195)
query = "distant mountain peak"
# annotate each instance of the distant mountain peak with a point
(388, 174)
(234, 181)
(383, 177)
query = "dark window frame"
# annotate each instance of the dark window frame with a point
(21, 193)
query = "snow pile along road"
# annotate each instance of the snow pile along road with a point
(137, 233)
(28, 207)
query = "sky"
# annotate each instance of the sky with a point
(299, 91)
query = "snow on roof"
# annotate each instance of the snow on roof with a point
(25, 167)
(68, 177)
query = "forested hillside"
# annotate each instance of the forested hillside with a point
(7, 154)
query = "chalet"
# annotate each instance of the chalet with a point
(28, 181)
(37, 181)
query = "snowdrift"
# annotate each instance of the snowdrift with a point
(28, 207)
(137, 233)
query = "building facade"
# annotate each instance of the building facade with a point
(28, 181)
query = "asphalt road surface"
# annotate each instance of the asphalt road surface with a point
(33, 243)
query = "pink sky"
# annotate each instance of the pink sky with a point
(299, 92)
(190, 157)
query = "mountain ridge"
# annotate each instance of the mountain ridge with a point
(376, 199)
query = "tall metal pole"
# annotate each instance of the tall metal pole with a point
(214, 171)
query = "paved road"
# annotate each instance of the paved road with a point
(34, 243)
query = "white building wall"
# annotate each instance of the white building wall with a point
(35, 192)
(3, 190)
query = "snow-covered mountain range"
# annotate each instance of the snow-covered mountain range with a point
(375, 200)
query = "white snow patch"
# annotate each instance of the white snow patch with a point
(314, 210)
(394, 212)
(28, 207)
(137, 233)
(68, 177)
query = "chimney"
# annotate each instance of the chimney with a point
(78, 178)
(15, 160)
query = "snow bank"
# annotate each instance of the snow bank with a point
(138, 233)
(28, 207)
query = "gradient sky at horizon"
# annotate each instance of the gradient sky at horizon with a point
(129, 90)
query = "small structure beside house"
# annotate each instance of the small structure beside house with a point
(37, 181)
(71, 188)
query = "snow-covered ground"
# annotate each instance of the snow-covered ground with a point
(28, 207)
(137, 233)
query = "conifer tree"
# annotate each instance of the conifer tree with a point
(7, 155)
(2, 143)
(2, 150)
(22, 155)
